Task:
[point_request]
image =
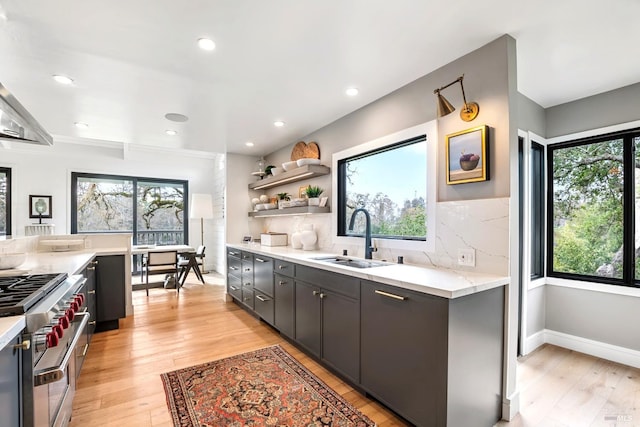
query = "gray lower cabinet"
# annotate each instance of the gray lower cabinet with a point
(247, 279)
(327, 318)
(435, 361)
(263, 294)
(234, 274)
(110, 291)
(284, 294)
(10, 391)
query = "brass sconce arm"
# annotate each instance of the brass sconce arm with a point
(468, 112)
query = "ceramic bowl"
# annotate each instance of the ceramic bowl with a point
(13, 260)
(276, 171)
(287, 166)
(302, 162)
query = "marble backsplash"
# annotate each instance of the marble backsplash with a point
(479, 224)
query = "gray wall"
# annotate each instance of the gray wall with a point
(604, 317)
(598, 316)
(608, 108)
(531, 116)
(487, 81)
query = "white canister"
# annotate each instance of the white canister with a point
(308, 237)
(296, 243)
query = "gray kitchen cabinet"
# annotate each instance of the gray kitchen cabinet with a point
(90, 303)
(234, 274)
(284, 295)
(10, 390)
(263, 294)
(247, 279)
(327, 318)
(434, 361)
(110, 291)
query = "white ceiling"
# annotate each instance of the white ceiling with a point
(134, 61)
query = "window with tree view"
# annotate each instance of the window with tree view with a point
(151, 209)
(391, 184)
(5, 201)
(594, 202)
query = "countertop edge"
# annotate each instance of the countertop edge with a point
(9, 328)
(469, 282)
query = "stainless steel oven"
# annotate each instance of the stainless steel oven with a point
(56, 317)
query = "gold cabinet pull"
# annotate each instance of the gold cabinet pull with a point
(24, 345)
(387, 294)
(92, 292)
(84, 351)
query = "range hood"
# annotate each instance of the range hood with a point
(16, 124)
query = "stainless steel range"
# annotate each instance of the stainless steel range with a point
(56, 317)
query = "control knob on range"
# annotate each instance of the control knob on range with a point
(63, 320)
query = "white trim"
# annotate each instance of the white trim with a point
(536, 283)
(511, 406)
(606, 351)
(431, 130)
(533, 341)
(595, 287)
(594, 132)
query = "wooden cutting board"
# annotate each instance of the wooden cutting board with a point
(303, 150)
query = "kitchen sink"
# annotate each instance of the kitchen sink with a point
(350, 262)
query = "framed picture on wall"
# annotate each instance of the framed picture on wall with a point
(40, 207)
(468, 155)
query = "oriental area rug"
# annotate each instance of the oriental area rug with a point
(266, 387)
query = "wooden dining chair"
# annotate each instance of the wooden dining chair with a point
(165, 262)
(185, 264)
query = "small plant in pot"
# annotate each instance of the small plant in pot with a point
(313, 193)
(283, 200)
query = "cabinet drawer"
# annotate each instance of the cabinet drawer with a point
(234, 287)
(233, 252)
(246, 256)
(345, 285)
(263, 306)
(247, 297)
(247, 268)
(233, 266)
(285, 268)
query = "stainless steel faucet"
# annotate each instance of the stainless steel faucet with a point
(368, 249)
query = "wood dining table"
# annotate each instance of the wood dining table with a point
(185, 251)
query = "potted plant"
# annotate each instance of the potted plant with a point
(313, 194)
(283, 200)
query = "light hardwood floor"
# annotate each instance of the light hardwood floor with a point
(120, 381)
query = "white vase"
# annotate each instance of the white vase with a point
(314, 201)
(296, 242)
(308, 237)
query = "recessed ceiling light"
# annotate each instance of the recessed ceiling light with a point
(249, 144)
(62, 79)
(171, 132)
(176, 117)
(206, 44)
(81, 125)
(352, 91)
(278, 123)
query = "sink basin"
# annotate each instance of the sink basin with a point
(350, 262)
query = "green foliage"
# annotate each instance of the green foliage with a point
(284, 196)
(313, 191)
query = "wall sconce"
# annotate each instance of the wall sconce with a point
(468, 112)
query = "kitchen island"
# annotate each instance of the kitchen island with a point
(426, 342)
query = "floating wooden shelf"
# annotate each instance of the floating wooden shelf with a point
(299, 210)
(297, 174)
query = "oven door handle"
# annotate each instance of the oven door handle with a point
(56, 373)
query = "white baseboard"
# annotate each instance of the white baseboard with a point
(511, 406)
(606, 351)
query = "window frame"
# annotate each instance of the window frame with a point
(8, 229)
(135, 180)
(538, 214)
(430, 129)
(342, 188)
(628, 199)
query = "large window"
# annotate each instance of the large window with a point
(152, 209)
(593, 200)
(5, 201)
(391, 184)
(537, 210)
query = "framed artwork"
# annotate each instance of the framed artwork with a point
(40, 207)
(468, 155)
(302, 192)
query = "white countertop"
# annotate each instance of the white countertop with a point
(430, 280)
(70, 262)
